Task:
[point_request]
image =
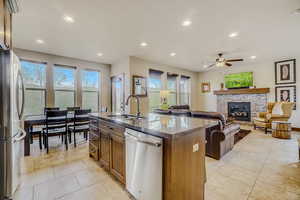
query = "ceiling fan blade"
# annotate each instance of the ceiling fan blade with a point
(228, 64)
(210, 66)
(235, 60)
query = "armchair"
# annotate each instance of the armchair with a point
(264, 119)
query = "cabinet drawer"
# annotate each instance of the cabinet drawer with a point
(94, 151)
(112, 128)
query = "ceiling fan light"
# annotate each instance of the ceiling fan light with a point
(220, 64)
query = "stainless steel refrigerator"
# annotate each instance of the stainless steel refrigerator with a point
(11, 132)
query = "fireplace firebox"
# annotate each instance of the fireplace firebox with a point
(240, 111)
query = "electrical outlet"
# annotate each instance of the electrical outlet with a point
(195, 147)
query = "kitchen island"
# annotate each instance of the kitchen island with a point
(183, 154)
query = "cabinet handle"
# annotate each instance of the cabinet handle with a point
(156, 144)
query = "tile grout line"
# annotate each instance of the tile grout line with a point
(77, 181)
(264, 163)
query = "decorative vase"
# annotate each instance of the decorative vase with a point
(222, 86)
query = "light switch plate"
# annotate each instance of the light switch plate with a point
(195, 147)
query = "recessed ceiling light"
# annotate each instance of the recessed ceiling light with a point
(99, 54)
(173, 54)
(253, 57)
(69, 19)
(39, 41)
(186, 23)
(143, 44)
(233, 35)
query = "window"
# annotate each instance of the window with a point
(172, 88)
(34, 75)
(90, 90)
(118, 97)
(184, 89)
(64, 86)
(155, 85)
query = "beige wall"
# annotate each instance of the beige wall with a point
(141, 67)
(135, 66)
(264, 76)
(119, 68)
(79, 64)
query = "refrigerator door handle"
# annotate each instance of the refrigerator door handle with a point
(23, 135)
(23, 96)
(20, 110)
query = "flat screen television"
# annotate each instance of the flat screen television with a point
(239, 80)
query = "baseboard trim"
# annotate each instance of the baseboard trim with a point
(296, 129)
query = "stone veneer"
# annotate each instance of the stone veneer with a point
(258, 102)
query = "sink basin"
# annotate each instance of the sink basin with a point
(126, 116)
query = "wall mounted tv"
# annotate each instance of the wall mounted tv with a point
(239, 80)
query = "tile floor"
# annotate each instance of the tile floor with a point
(258, 168)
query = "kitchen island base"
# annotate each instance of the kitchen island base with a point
(183, 168)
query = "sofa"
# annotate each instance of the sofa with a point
(181, 110)
(264, 119)
(220, 139)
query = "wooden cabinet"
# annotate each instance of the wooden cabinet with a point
(111, 143)
(104, 149)
(5, 27)
(94, 139)
(117, 158)
(2, 22)
(183, 165)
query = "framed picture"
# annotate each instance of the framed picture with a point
(285, 72)
(286, 93)
(205, 87)
(139, 86)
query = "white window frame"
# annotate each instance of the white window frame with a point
(84, 90)
(65, 90)
(156, 90)
(176, 87)
(37, 89)
(185, 92)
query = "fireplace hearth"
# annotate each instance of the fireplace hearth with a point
(240, 111)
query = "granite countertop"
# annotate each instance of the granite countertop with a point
(159, 125)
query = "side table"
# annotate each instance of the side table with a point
(281, 129)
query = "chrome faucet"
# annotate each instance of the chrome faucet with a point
(138, 114)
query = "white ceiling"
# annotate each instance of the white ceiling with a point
(266, 29)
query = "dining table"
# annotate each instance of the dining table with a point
(39, 120)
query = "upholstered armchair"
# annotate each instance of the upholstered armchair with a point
(264, 119)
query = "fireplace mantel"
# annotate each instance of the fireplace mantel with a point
(243, 91)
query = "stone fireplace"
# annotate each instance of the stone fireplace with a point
(239, 111)
(256, 100)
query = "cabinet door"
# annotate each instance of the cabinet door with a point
(117, 161)
(7, 29)
(2, 22)
(104, 151)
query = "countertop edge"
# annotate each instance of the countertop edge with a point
(149, 131)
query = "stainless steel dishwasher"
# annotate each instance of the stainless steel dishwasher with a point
(143, 165)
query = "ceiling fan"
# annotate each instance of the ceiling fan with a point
(222, 62)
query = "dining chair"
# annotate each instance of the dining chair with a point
(39, 129)
(80, 124)
(49, 109)
(72, 109)
(56, 125)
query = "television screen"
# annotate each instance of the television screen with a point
(239, 80)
